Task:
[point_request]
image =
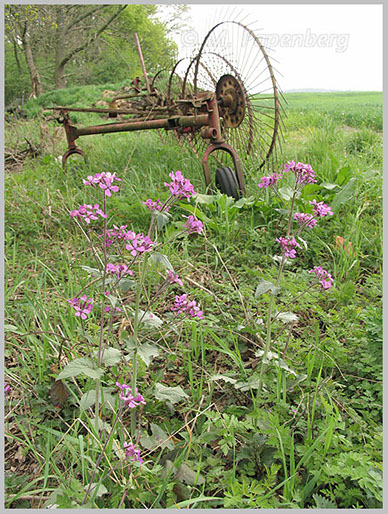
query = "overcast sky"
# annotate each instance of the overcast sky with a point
(335, 47)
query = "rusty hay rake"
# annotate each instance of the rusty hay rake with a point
(224, 101)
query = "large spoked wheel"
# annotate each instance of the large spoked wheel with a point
(227, 183)
(247, 92)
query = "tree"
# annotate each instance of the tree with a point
(73, 37)
(19, 23)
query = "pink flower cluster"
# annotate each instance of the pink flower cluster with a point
(270, 181)
(324, 277)
(118, 269)
(7, 388)
(104, 180)
(155, 206)
(133, 453)
(173, 279)
(180, 186)
(288, 245)
(183, 306)
(138, 243)
(321, 209)
(88, 212)
(82, 306)
(193, 225)
(115, 232)
(303, 172)
(304, 219)
(128, 398)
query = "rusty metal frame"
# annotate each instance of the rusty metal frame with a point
(183, 115)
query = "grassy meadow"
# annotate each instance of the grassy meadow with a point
(312, 438)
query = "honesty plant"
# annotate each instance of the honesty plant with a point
(303, 175)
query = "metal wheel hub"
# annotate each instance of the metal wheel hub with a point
(231, 100)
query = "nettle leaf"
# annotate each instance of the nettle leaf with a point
(344, 195)
(150, 319)
(158, 436)
(287, 317)
(329, 186)
(245, 202)
(286, 193)
(82, 365)
(111, 356)
(185, 474)
(92, 271)
(264, 286)
(101, 489)
(207, 199)
(162, 219)
(169, 394)
(224, 378)
(147, 352)
(89, 399)
(126, 284)
(159, 258)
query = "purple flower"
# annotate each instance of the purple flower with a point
(180, 186)
(288, 245)
(114, 233)
(118, 269)
(324, 277)
(307, 220)
(128, 398)
(155, 206)
(173, 279)
(304, 173)
(88, 212)
(183, 306)
(321, 209)
(108, 309)
(7, 388)
(138, 243)
(104, 180)
(193, 225)
(82, 306)
(133, 453)
(270, 181)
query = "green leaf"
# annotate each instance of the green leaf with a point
(126, 284)
(157, 437)
(111, 356)
(169, 394)
(287, 317)
(344, 195)
(150, 319)
(101, 489)
(147, 352)
(185, 474)
(162, 219)
(88, 399)
(329, 186)
(323, 503)
(78, 366)
(264, 286)
(12, 328)
(207, 199)
(224, 378)
(286, 193)
(92, 271)
(159, 258)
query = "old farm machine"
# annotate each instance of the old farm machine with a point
(223, 101)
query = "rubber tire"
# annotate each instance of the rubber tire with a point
(226, 182)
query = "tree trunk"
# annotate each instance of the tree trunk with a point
(60, 63)
(37, 88)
